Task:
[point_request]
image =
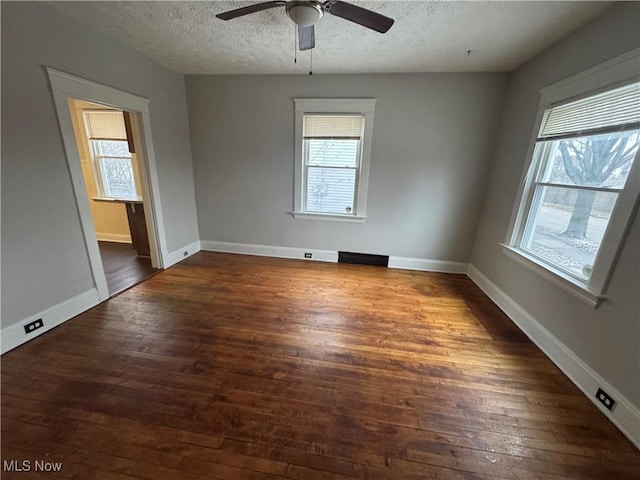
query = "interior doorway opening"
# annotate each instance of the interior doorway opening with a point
(113, 184)
(65, 87)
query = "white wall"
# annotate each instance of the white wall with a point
(607, 339)
(44, 260)
(431, 140)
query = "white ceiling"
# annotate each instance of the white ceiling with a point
(426, 37)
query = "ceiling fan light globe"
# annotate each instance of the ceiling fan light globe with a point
(304, 15)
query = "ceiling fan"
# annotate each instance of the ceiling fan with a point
(305, 13)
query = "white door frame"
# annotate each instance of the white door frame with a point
(66, 87)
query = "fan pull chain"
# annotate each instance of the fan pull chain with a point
(295, 43)
(311, 63)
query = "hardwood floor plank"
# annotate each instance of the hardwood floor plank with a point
(233, 367)
(123, 267)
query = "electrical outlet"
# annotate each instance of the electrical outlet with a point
(308, 255)
(605, 399)
(36, 324)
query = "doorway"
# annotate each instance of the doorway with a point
(66, 87)
(112, 183)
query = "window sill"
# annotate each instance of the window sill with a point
(117, 200)
(328, 217)
(557, 277)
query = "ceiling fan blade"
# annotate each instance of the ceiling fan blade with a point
(258, 7)
(306, 38)
(359, 15)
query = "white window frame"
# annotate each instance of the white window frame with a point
(338, 106)
(99, 172)
(617, 72)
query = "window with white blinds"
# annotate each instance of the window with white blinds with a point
(332, 157)
(112, 161)
(614, 110)
(332, 160)
(582, 185)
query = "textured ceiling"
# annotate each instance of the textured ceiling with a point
(426, 37)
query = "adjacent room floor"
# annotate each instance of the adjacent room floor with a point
(240, 367)
(123, 267)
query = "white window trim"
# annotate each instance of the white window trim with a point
(618, 71)
(362, 106)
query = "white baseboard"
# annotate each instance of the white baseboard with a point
(426, 265)
(180, 254)
(113, 237)
(404, 263)
(14, 335)
(625, 415)
(269, 251)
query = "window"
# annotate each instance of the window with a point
(581, 188)
(112, 160)
(333, 144)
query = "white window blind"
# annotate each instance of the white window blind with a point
(333, 126)
(105, 125)
(617, 109)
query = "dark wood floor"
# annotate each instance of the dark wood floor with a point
(123, 267)
(232, 367)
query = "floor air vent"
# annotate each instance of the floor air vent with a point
(363, 259)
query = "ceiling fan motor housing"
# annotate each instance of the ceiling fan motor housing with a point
(305, 13)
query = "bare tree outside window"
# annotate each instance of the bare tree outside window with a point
(593, 161)
(578, 187)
